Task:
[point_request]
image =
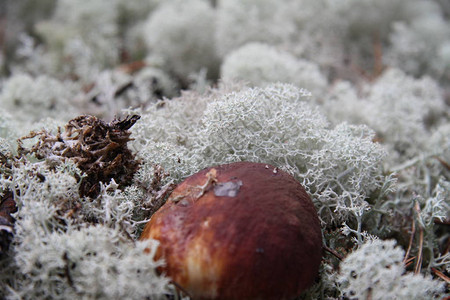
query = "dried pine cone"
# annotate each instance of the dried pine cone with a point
(98, 148)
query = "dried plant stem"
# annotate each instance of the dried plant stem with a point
(420, 254)
(132, 67)
(378, 55)
(441, 275)
(411, 239)
(333, 252)
(409, 261)
(179, 288)
(443, 162)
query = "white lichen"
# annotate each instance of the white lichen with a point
(181, 33)
(31, 99)
(70, 247)
(376, 271)
(261, 64)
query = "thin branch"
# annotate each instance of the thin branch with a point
(333, 252)
(181, 289)
(378, 55)
(439, 222)
(411, 239)
(443, 162)
(409, 261)
(441, 275)
(420, 254)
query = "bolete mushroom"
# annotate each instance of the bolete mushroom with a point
(239, 231)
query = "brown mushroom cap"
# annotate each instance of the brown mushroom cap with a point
(239, 231)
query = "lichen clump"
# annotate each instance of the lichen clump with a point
(76, 215)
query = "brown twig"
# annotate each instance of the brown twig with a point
(441, 275)
(132, 67)
(333, 252)
(411, 239)
(181, 289)
(378, 66)
(443, 162)
(409, 261)
(439, 222)
(420, 254)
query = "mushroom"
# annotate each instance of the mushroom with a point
(239, 231)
